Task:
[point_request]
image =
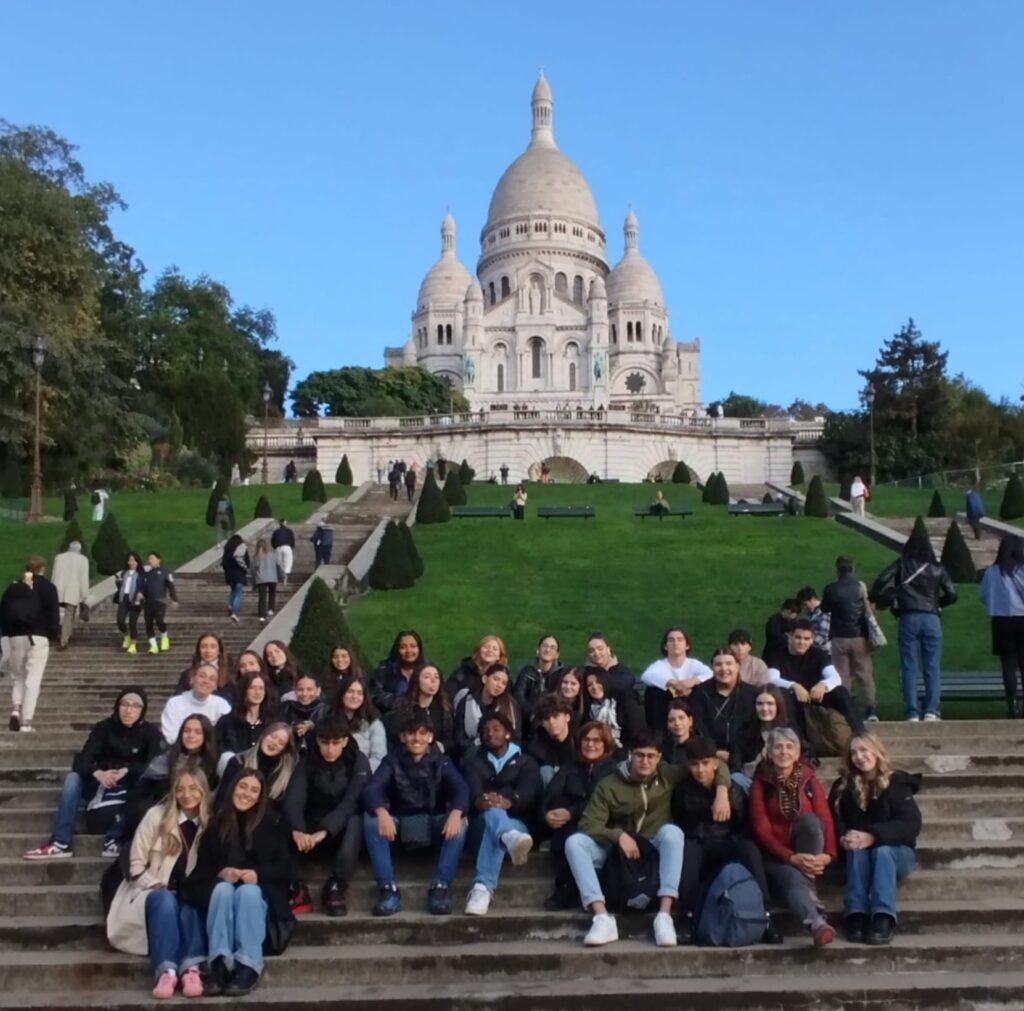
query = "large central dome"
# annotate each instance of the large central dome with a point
(542, 179)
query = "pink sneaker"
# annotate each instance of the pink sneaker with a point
(166, 985)
(192, 983)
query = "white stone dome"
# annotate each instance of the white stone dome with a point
(474, 293)
(633, 279)
(446, 282)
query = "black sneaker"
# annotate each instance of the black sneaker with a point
(389, 899)
(563, 897)
(772, 934)
(243, 979)
(856, 925)
(439, 901)
(14, 723)
(684, 929)
(334, 898)
(883, 926)
(216, 979)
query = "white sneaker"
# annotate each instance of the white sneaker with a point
(931, 717)
(603, 930)
(665, 931)
(518, 845)
(913, 719)
(478, 901)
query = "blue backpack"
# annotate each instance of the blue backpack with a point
(733, 914)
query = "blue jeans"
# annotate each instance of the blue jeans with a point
(872, 876)
(237, 924)
(236, 598)
(380, 849)
(72, 793)
(586, 856)
(177, 938)
(920, 639)
(491, 854)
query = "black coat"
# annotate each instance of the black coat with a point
(386, 685)
(30, 610)
(691, 811)
(903, 588)
(545, 750)
(725, 721)
(466, 675)
(112, 745)
(324, 795)
(282, 537)
(531, 685)
(893, 817)
(433, 785)
(776, 631)
(519, 781)
(236, 734)
(574, 783)
(844, 601)
(236, 571)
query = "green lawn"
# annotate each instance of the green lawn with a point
(173, 521)
(887, 500)
(630, 578)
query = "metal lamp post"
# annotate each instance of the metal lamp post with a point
(869, 398)
(266, 430)
(35, 504)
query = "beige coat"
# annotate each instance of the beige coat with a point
(71, 575)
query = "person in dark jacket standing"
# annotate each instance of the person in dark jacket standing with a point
(241, 881)
(846, 601)
(877, 822)
(113, 758)
(418, 798)
(410, 484)
(282, 540)
(323, 543)
(505, 787)
(394, 479)
(321, 806)
(724, 708)
(236, 565)
(917, 587)
(1002, 592)
(156, 586)
(29, 619)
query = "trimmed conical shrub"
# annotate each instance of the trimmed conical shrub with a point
(1012, 506)
(411, 549)
(816, 503)
(681, 473)
(344, 472)
(709, 484)
(263, 510)
(392, 567)
(766, 498)
(442, 468)
(313, 487)
(454, 492)
(936, 508)
(796, 475)
(110, 548)
(321, 627)
(466, 474)
(719, 493)
(432, 507)
(956, 556)
(218, 491)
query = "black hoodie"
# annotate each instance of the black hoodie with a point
(112, 745)
(325, 795)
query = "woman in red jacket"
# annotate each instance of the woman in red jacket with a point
(792, 823)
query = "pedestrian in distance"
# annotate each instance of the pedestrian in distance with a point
(266, 572)
(1002, 591)
(71, 580)
(156, 588)
(282, 540)
(323, 542)
(236, 564)
(128, 600)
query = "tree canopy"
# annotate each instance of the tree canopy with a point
(360, 392)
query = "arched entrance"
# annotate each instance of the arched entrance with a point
(564, 469)
(662, 471)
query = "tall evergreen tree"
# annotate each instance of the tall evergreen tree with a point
(681, 473)
(321, 626)
(796, 475)
(707, 492)
(392, 567)
(411, 549)
(454, 493)
(263, 510)
(466, 474)
(432, 507)
(344, 473)
(1012, 506)
(956, 556)
(816, 503)
(313, 487)
(110, 549)
(936, 508)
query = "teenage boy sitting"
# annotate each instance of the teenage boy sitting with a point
(710, 844)
(551, 743)
(419, 798)
(635, 801)
(321, 806)
(506, 788)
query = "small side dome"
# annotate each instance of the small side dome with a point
(598, 289)
(474, 293)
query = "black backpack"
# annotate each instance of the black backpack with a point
(631, 885)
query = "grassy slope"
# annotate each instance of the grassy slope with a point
(629, 578)
(173, 522)
(890, 501)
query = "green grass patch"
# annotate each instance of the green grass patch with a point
(172, 522)
(631, 579)
(887, 500)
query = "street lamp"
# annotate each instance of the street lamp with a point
(35, 504)
(266, 432)
(869, 399)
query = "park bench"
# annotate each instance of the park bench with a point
(968, 686)
(565, 512)
(470, 511)
(757, 509)
(649, 510)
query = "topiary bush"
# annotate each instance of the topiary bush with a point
(432, 507)
(1012, 506)
(453, 491)
(766, 498)
(816, 503)
(796, 475)
(936, 508)
(321, 627)
(466, 474)
(709, 484)
(313, 487)
(719, 490)
(392, 568)
(956, 556)
(344, 472)
(442, 468)
(110, 548)
(263, 510)
(411, 549)
(218, 491)
(681, 474)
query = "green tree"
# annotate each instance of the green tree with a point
(454, 493)
(219, 490)
(392, 567)
(956, 556)
(442, 468)
(1012, 506)
(466, 474)
(344, 473)
(720, 492)
(936, 507)
(110, 548)
(816, 503)
(263, 510)
(432, 507)
(681, 473)
(321, 626)
(411, 550)
(796, 475)
(313, 489)
(356, 391)
(739, 405)
(707, 492)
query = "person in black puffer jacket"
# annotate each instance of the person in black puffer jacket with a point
(877, 824)
(115, 755)
(845, 601)
(540, 678)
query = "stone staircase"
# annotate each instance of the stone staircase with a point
(983, 551)
(961, 940)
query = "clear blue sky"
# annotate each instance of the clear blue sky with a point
(807, 174)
